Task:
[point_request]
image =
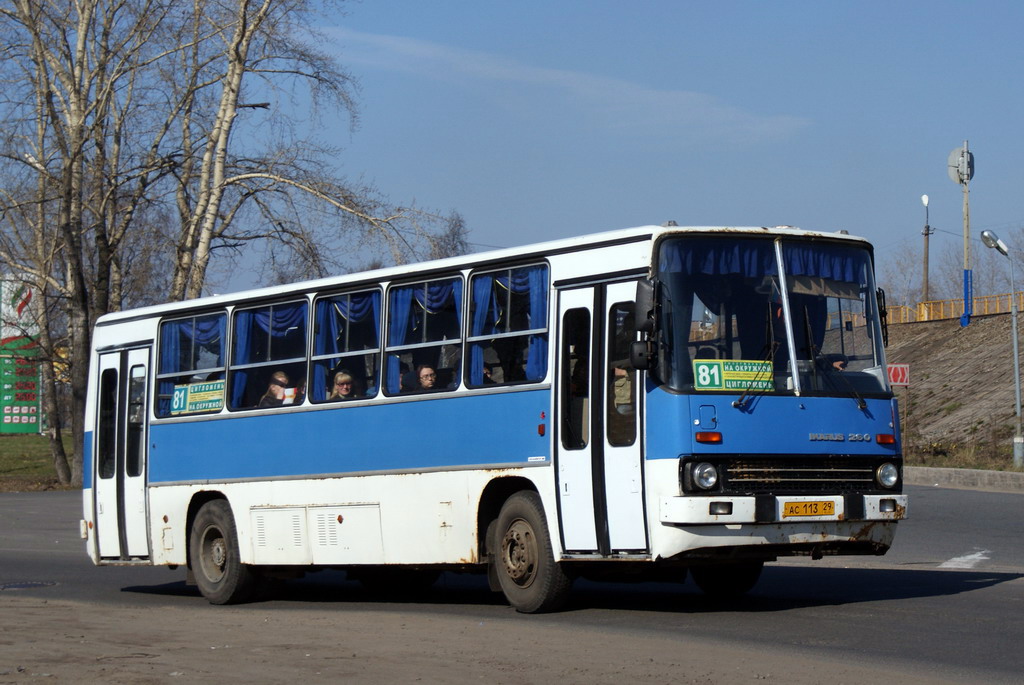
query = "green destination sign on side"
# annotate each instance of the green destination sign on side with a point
(208, 396)
(732, 374)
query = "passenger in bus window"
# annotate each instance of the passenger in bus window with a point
(488, 377)
(277, 391)
(426, 376)
(343, 389)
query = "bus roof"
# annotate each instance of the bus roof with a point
(523, 251)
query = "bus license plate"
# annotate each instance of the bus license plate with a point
(814, 508)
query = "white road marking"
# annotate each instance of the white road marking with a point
(967, 561)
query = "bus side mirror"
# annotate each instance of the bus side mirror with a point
(883, 316)
(644, 312)
(641, 355)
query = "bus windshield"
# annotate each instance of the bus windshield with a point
(735, 313)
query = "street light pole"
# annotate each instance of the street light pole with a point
(928, 230)
(992, 240)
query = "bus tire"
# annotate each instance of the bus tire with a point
(524, 561)
(213, 546)
(727, 581)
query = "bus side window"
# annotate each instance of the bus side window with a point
(575, 370)
(424, 330)
(346, 347)
(269, 341)
(191, 365)
(508, 337)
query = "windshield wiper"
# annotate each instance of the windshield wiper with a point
(772, 346)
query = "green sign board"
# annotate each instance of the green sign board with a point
(19, 396)
(196, 397)
(732, 374)
(19, 371)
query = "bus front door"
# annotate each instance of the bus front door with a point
(120, 455)
(598, 443)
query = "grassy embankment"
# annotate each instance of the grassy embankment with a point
(26, 465)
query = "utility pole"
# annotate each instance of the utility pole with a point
(928, 230)
(961, 170)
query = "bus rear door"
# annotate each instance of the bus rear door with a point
(121, 455)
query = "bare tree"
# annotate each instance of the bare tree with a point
(900, 275)
(134, 144)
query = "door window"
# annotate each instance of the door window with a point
(621, 391)
(575, 370)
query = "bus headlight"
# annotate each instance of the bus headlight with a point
(887, 475)
(705, 476)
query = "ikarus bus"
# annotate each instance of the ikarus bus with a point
(656, 402)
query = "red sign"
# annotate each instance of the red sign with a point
(899, 374)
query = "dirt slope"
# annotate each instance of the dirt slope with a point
(961, 392)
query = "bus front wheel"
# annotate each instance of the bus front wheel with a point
(213, 547)
(523, 559)
(726, 581)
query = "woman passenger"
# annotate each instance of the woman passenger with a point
(344, 388)
(275, 394)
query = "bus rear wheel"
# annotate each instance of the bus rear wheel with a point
(523, 559)
(727, 581)
(213, 548)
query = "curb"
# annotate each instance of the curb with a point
(968, 479)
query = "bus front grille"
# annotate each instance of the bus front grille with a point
(784, 475)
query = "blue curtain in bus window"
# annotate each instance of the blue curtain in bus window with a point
(239, 378)
(438, 294)
(326, 342)
(825, 261)
(374, 299)
(398, 324)
(283, 319)
(171, 333)
(751, 258)
(537, 359)
(485, 310)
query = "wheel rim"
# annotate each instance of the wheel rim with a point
(214, 554)
(519, 553)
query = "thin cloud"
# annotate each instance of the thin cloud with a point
(606, 102)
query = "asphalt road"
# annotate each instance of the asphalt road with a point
(947, 600)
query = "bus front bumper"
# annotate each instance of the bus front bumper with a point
(703, 509)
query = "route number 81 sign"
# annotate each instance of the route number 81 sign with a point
(732, 374)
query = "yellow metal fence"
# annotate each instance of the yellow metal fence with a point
(952, 309)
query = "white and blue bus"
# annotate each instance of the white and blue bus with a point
(648, 402)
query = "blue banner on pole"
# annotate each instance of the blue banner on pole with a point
(968, 298)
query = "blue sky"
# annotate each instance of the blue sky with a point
(540, 120)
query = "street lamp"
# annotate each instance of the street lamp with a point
(928, 230)
(992, 240)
